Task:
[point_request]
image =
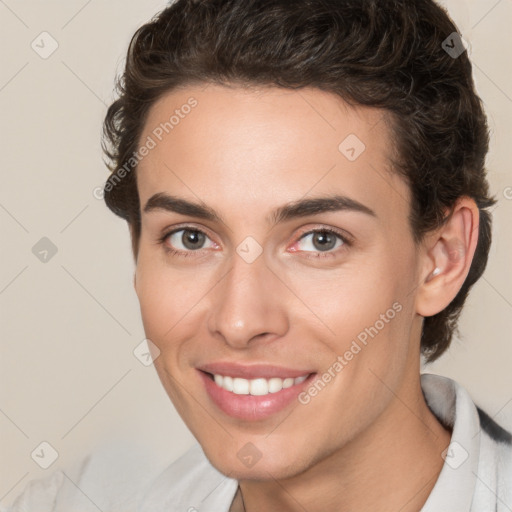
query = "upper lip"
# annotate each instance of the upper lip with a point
(252, 371)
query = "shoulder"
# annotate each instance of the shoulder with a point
(190, 483)
(40, 495)
(127, 478)
(478, 464)
(495, 463)
(495, 431)
(113, 478)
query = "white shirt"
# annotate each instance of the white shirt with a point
(476, 475)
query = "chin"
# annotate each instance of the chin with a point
(247, 462)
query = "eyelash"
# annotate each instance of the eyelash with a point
(346, 242)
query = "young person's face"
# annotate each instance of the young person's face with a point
(305, 300)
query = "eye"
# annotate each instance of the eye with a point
(186, 240)
(320, 240)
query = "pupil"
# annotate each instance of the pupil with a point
(324, 240)
(192, 239)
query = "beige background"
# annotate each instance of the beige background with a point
(68, 375)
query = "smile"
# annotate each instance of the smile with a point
(256, 387)
(253, 393)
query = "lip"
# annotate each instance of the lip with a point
(251, 407)
(253, 371)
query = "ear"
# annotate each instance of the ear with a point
(448, 253)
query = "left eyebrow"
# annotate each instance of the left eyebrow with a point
(316, 205)
(295, 209)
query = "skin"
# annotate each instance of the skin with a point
(358, 444)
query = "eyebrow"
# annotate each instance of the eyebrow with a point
(295, 209)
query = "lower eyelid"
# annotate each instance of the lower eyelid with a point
(329, 253)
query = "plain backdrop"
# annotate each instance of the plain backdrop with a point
(70, 324)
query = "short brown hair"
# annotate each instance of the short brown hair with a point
(387, 54)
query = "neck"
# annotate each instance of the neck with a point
(393, 465)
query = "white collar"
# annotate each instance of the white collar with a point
(455, 485)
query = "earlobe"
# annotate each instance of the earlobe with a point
(448, 258)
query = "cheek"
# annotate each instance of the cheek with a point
(349, 299)
(368, 309)
(376, 345)
(169, 298)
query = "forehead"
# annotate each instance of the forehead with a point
(231, 145)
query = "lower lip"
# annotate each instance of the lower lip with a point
(252, 407)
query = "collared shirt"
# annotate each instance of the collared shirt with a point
(476, 475)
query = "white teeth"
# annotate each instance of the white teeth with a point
(287, 383)
(259, 387)
(256, 387)
(227, 383)
(298, 380)
(240, 386)
(275, 385)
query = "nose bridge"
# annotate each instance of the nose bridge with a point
(246, 302)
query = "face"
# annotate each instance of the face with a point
(276, 272)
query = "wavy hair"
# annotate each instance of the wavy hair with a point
(387, 54)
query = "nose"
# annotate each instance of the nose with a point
(248, 305)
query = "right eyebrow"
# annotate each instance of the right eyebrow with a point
(162, 201)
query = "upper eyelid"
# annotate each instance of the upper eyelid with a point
(190, 227)
(345, 236)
